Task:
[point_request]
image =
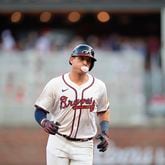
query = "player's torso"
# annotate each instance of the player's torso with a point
(75, 106)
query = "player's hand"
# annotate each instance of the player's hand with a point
(50, 127)
(103, 145)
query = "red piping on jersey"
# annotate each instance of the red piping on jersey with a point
(75, 98)
(82, 96)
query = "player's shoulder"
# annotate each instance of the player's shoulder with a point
(99, 81)
(54, 80)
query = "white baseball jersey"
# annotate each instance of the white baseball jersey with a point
(74, 106)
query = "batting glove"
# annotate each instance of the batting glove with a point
(50, 127)
(103, 145)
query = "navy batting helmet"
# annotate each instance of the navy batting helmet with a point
(84, 50)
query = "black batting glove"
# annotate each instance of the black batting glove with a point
(50, 127)
(103, 145)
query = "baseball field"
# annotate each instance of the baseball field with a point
(26, 146)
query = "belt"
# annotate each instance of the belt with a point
(75, 139)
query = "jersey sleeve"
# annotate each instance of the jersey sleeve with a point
(103, 102)
(47, 97)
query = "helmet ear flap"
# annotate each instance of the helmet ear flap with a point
(92, 65)
(70, 60)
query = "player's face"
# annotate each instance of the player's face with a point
(85, 60)
(78, 62)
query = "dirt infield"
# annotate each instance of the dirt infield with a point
(26, 146)
(22, 146)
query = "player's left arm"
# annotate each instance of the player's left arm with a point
(103, 113)
(104, 118)
(104, 121)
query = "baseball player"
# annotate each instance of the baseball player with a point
(73, 100)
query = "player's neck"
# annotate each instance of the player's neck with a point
(78, 79)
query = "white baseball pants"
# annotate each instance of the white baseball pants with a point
(61, 151)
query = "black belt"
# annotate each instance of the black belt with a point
(74, 139)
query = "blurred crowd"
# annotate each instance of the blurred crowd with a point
(46, 41)
(50, 42)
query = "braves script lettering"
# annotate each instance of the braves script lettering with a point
(88, 103)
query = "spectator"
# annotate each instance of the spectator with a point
(8, 41)
(43, 44)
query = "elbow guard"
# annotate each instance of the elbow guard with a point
(40, 114)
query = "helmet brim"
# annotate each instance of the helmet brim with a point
(84, 55)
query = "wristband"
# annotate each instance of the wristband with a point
(41, 123)
(104, 125)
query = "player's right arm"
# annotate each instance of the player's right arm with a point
(47, 97)
(48, 126)
(40, 115)
(44, 105)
